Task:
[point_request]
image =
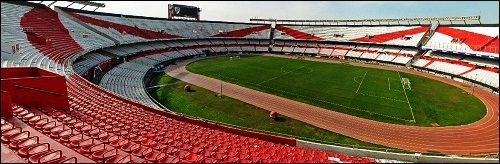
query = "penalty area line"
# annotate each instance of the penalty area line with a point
(411, 109)
(389, 83)
(361, 82)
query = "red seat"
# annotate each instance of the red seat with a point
(142, 151)
(6, 134)
(7, 126)
(232, 153)
(27, 116)
(148, 142)
(209, 160)
(86, 145)
(160, 146)
(75, 140)
(34, 119)
(182, 154)
(54, 132)
(38, 124)
(18, 110)
(47, 127)
(94, 133)
(66, 119)
(86, 128)
(65, 160)
(106, 138)
(207, 153)
(71, 137)
(170, 159)
(130, 146)
(33, 149)
(21, 113)
(15, 137)
(104, 154)
(78, 126)
(231, 159)
(47, 156)
(64, 133)
(155, 156)
(194, 158)
(24, 142)
(170, 150)
(219, 156)
(119, 159)
(119, 142)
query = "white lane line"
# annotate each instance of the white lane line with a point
(366, 94)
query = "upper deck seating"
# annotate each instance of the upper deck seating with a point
(466, 39)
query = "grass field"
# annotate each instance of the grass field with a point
(364, 92)
(205, 104)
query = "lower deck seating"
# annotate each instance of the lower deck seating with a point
(126, 78)
(483, 76)
(376, 52)
(448, 67)
(90, 60)
(464, 66)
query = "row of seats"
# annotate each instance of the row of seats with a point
(27, 145)
(393, 35)
(88, 39)
(139, 29)
(90, 60)
(126, 79)
(466, 39)
(380, 53)
(460, 65)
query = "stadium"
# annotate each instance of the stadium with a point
(83, 86)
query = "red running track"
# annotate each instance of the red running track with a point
(480, 137)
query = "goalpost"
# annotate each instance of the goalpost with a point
(406, 83)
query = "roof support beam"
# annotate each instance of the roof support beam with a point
(396, 20)
(51, 3)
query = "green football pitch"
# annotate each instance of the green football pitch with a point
(382, 95)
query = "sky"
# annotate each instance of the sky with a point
(242, 11)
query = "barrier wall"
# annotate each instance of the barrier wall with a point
(393, 156)
(7, 110)
(34, 87)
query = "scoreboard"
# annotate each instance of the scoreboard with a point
(175, 10)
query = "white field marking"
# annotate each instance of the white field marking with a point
(397, 90)
(283, 74)
(366, 94)
(311, 98)
(389, 83)
(356, 80)
(361, 81)
(411, 109)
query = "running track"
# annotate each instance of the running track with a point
(480, 137)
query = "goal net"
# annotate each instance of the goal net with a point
(406, 83)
